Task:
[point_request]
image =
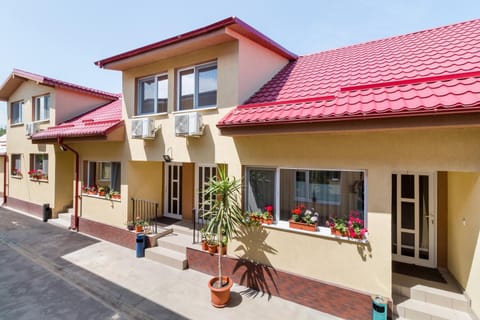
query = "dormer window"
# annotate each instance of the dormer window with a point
(41, 108)
(197, 87)
(152, 95)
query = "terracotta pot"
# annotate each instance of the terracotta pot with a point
(212, 248)
(224, 250)
(220, 296)
(115, 196)
(138, 228)
(302, 226)
(204, 245)
(102, 193)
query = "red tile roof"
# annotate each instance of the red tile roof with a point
(17, 73)
(98, 122)
(430, 71)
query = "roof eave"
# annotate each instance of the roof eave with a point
(244, 28)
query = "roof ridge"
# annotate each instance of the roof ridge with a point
(388, 38)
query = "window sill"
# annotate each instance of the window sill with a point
(38, 180)
(149, 115)
(100, 197)
(16, 177)
(42, 121)
(195, 110)
(322, 232)
(14, 125)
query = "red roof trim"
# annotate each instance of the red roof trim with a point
(357, 116)
(192, 34)
(293, 101)
(472, 74)
(58, 83)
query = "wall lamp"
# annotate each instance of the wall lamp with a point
(167, 156)
(62, 147)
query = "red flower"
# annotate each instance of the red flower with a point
(269, 208)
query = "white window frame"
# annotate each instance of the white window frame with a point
(16, 157)
(98, 175)
(155, 78)
(276, 208)
(19, 105)
(44, 168)
(195, 69)
(41, 113)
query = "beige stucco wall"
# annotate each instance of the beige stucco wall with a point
(58, 190)
(463, 232)
(364, 268)
(256, 66)
(112, 212)
(64, 177)
(71, 104)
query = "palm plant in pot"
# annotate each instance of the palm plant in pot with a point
(224, 218)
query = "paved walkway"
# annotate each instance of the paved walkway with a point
(184, 292)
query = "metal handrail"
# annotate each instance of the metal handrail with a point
(145, 210)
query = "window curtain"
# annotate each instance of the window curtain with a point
(115, 178)
(261, 189)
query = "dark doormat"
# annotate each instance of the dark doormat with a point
(167, 221)
(411, 270)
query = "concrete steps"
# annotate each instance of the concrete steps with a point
(423, 302)
(171, 247)
(63, 220)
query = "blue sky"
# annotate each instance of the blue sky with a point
(62, 39)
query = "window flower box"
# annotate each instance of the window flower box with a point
(302, 226)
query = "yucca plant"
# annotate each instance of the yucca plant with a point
(225, 214)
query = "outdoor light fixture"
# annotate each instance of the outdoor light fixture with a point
(167, 158)
(62, 147)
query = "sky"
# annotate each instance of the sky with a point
(62, 39)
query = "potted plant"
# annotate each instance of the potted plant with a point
(356, 226)
(267, 216)
(139, 224)
(212, 246)
(130, 225)
(304, 219)
(102, 191)
(115, 195)
(205, 237)
(338, 226)
(224, 218)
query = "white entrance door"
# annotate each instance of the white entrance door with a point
(204, 174)
(413, 219)
(173, 191)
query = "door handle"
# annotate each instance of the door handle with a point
(431, 217)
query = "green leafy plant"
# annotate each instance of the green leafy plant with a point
(225, 214)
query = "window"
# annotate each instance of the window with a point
(152, 95)
(16, 165)
(332, 193)
(197, 87)
(102, 174)
(41, 108)
(16, 112)
(38, 166)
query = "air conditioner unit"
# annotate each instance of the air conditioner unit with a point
(143, 128)
(189, 124)
(31, 128)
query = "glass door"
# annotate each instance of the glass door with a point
(204, 174)
(413, 219)
(173, 191)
